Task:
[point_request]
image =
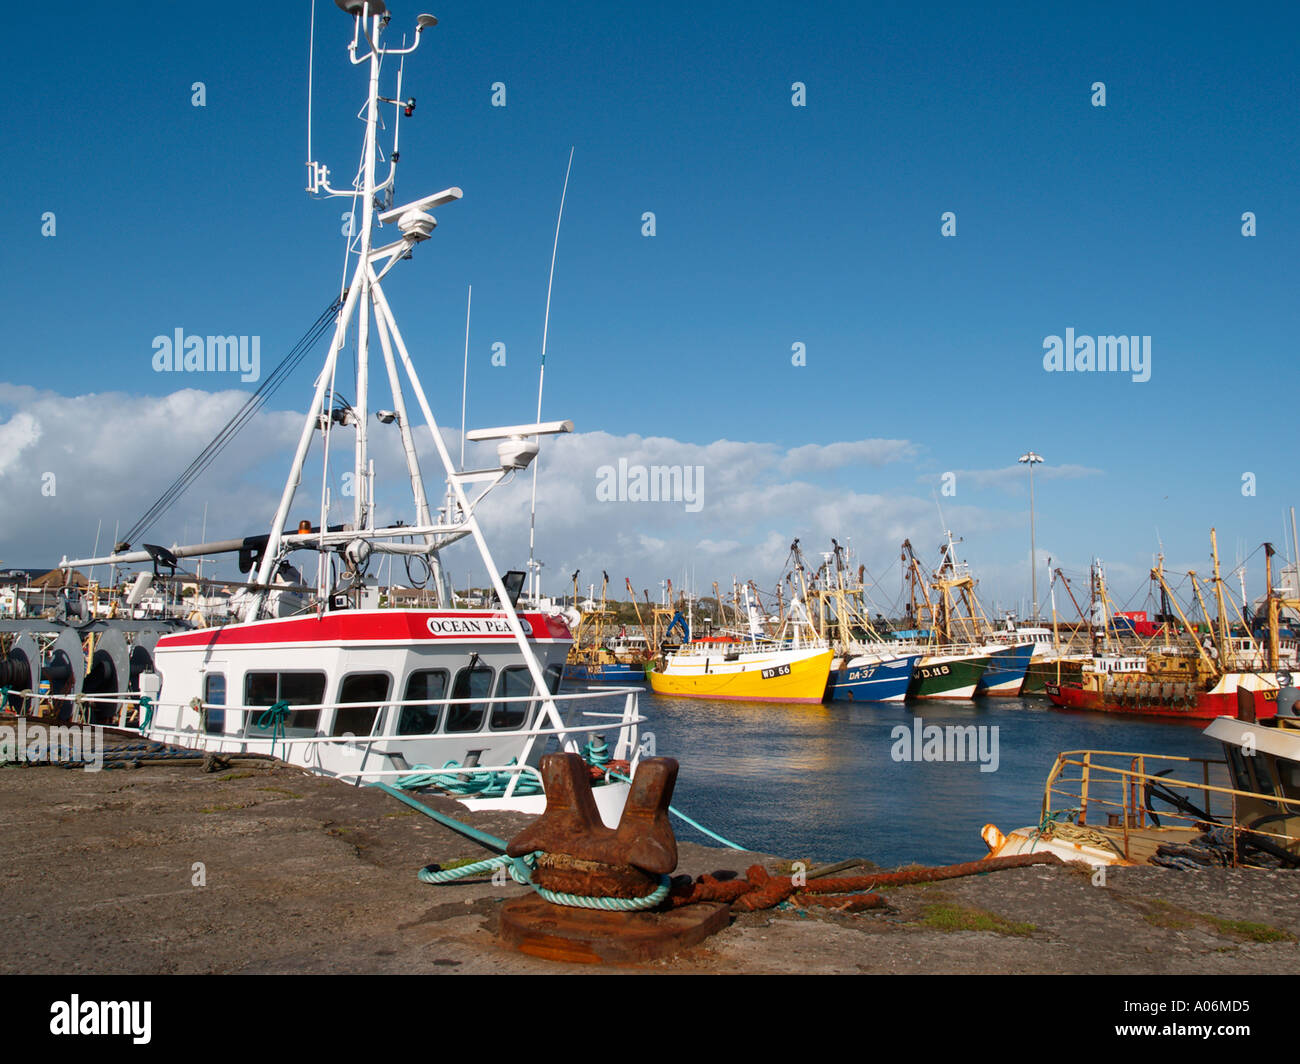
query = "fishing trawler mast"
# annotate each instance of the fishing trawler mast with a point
(340, 686)
(363, 299)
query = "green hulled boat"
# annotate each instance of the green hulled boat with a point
(947, 675)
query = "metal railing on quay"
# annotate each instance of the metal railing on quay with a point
(1123, 792)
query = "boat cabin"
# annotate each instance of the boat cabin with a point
(436, 686)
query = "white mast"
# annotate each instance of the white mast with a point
(365, 293)
(517, 445)
(371, 19)
(464, 383)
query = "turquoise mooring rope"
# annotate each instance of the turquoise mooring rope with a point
(521, 868)
(273, 717)
(612, 905)
(1051, 818)
(429, 874)
(493, 784)
(146, 712)
(485, 784)
(596, 752)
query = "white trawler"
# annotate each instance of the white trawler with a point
(461, 698)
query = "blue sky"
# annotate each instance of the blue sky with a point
(775, 224)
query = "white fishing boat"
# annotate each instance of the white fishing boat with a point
(466, 700)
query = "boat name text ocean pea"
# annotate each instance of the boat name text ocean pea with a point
(474, 626)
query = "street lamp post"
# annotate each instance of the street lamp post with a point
(1030, 459)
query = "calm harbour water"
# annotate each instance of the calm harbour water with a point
(819, 781)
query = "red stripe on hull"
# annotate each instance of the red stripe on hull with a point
(1207, 706)
(371, 626)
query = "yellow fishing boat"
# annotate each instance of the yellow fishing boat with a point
(748, 671)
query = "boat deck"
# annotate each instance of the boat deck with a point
(1142, 843)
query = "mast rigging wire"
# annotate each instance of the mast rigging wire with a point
(238, 421)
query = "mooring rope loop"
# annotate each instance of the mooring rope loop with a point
(484, 784)
(521, 871)
(273, 717)
(521, 868)
(613, 905)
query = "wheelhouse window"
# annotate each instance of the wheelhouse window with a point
(1263, 767)
(426, 685)
(1236, 764)
(214, 695)
(474, 684)
(1288, 774)
(262, 689)
(553, 676)
(1252, 773)
(512, 683)
(369, 690)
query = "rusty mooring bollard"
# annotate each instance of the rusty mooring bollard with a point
(580, 855)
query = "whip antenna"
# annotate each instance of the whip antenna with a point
(464, 386)
(541, 379)
(546, 321)
(311, 56)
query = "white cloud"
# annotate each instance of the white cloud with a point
(1011, 479)
(814, 457)
(17, 434)
(751, 511)
(114, 453)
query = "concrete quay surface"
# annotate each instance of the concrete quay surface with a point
(263, 868)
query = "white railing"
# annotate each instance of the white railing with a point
(947, 650)
(627, 747)
(750, 645)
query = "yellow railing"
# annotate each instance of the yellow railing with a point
(1116, 784)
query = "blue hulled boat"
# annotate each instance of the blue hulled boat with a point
(873, 677)
(1006, 672)
(614, 672)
